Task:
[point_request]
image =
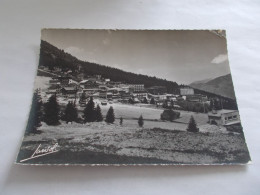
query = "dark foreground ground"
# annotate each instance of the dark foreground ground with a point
(84, 157)
(173, 147)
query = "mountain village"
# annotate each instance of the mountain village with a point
(80, 89)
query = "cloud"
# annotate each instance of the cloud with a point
(219, 59)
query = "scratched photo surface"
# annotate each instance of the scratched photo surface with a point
(133, 97)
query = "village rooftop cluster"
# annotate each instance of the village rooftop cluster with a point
(108, 91)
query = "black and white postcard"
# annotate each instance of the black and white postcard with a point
(133, 97)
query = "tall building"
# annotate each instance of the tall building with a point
(137, 87)
(186, 91)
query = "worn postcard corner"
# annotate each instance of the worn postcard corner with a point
(133, 97)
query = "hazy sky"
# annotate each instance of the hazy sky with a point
(181, 56)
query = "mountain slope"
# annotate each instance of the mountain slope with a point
(222, 85)
(52, 57)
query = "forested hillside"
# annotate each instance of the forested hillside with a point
(51, 57)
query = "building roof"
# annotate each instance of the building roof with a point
(220, 112)
(84, 81)
(91, 89)
(64, 77)
(69, 88)
(156, 87)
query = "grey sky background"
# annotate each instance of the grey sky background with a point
(181, 56)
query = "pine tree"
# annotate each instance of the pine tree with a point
(51, 111)
(172, 103)
(99, 116)
(70, 113)
(141, 121)
(145, 100)
(131, 101)
(152, 101)
(121, 121)
(192, 127)
(89, 111)
(211, 104)
(83, 98)
(35, 116)
(110, 118)
(165, 105)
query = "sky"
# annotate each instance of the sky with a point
(181, 56)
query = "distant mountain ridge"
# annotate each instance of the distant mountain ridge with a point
(201, 81)
(222, 85)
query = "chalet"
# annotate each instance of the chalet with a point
(95, 95)
(88, 84)
(157, 90)
(100, 82)
(122, 92)
(94, 78)
(102, 87)
(162, 97)
(109, 95)
(224, 117)
(52, 91)
(54, 81)
(102, 93)
(71, 91)
(125, 96)
(159, 103)
(166, 103)
(136, 100)
(64, 80)
(83, 82)
(113, 90)
(114, 83)
(115, 96)
(91, 91)
(180, 98)
(196, 98)
(71, 81)
(140, 95)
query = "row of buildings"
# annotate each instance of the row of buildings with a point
(96, 86)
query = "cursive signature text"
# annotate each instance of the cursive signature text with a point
(42, 151)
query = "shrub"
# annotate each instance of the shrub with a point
(145, 101)
(170, 115)
(213, 122)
